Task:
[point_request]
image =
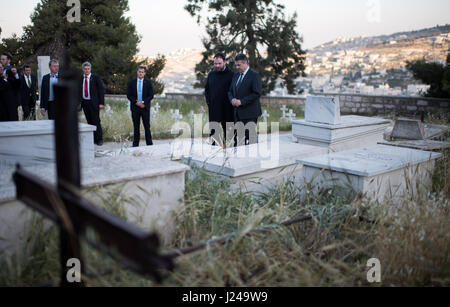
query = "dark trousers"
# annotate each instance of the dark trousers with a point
(222, 136)
(3, 111)
(10, 109)
(136, 116)
(92, 114)
(51, 111)
(29, 109)
(249, 135)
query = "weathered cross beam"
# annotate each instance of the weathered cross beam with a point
(65, 205)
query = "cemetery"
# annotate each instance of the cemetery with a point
(328, 168)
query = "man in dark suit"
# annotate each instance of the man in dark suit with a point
(47, 93)
(5, 60)
(216, 94)
(28, 94)
(244, 94)
(92, 99)
(140, 95)
(9, 85)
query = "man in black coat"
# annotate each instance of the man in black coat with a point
(140, 94)
(9, 85)
(244, 94)
(28, 94)
(5, 60)
(92, 99)
(216, 94)
(47, 94)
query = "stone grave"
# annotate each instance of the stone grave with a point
(151, 190)
(409, 129)
(256, 167)
(324, 126)
(33, 142)
(379, 171)
(427, 145)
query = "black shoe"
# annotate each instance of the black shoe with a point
(100, 143)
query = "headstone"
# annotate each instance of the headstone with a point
(108, 110)
(324, 110)
(176, 115)
(408, 129)
(153, 112)
(337, 133)
(265, 115)
(379, 171)
(284, 110)
(291, 115)
(191, 115)
(43, 69)
(157, 107)
(33, 142)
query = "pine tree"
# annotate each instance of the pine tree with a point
(257, 28)
(434, 74)
(104, 37)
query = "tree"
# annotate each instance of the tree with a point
(257, 28)
(154, 68)
(104, 37)
(434, 74)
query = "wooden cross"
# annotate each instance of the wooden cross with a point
(65, 205)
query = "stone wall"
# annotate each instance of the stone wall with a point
(350, 103)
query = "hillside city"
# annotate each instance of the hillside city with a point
(361, 65)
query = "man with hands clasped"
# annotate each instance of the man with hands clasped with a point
(140, 95)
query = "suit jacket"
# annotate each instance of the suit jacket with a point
(27, 92)
(248, 92)
(147, 94)
(45, 91)
(8, 91)
(96, 90)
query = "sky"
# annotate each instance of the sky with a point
(165, 26)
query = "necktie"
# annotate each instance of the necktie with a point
(140, 91)
(86, 87)
(239, 80)
(28, 81)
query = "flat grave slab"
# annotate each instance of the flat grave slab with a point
(33, 142)
(377, 171)
(254, 167)
(149, 189)
(426, 145)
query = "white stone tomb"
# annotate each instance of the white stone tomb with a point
(379, 171)
(323, 126)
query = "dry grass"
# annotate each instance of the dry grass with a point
(332, 249)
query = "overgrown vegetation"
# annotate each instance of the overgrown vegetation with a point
(330, 249)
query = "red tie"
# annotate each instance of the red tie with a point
(86, 90)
